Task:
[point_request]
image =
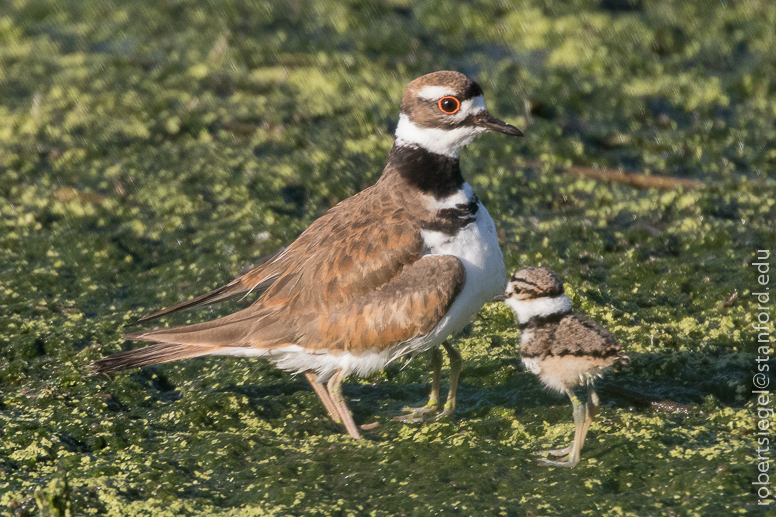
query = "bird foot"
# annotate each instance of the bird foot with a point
(367, 427)
(416, 414)
(555, 452)
(550, 463)
(444, 413)
(424, 414)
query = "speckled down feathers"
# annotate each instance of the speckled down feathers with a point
(573, 334)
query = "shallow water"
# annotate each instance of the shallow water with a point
(149, 152)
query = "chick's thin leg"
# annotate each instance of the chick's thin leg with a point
(580, 418)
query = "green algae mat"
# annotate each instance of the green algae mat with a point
(151, 151)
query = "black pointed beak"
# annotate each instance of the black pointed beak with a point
(491, 123)
(500, 298)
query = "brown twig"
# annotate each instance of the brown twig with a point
(626, 178)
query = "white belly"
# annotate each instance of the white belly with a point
(476, 245)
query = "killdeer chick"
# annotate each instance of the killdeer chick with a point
(393, 270)
(565, 350)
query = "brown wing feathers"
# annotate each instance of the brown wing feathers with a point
(353, 280)
(408, 307)
(234, 288)
(405, 308)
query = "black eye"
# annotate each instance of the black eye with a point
(449, 105)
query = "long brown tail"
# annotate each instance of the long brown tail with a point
(257, 279)
(146, 356)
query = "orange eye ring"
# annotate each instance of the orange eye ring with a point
(449, 105)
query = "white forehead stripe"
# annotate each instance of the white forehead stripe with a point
(447, 142)
(476, 104)
(468, 107)
(432, 93)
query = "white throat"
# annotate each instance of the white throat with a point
(542, 307)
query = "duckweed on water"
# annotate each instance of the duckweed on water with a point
(148, 152)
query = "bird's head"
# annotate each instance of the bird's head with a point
(442, 112)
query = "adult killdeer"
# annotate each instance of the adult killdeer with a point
(392, 270)
(565, 350)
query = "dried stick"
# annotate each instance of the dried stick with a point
(626, 178)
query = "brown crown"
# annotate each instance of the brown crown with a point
(537, 282)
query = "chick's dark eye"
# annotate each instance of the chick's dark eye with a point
(449, 105)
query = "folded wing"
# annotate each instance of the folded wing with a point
(355, 247)
(407, 307)
(584, 336)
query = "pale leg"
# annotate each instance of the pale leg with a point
(572, 451)
(335, 391)
(583, 417)
(323, 394)
(591, 409)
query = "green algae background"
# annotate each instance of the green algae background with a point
(151, 151)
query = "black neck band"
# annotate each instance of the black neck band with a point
(432, 174)
(538, 321)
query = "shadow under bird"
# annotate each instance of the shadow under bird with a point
(393, 270)
(564, 349)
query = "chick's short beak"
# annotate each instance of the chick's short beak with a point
(491, 123)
